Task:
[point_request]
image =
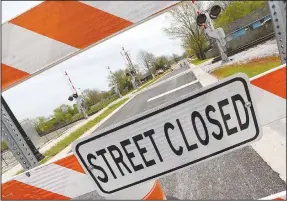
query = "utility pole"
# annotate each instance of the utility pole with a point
(79, 99)
(115, 83)
(131, 68)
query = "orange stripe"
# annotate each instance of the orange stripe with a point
(70, 162)
(274, 82)
(15, 190)
(71, 22)
(278, 199)
(156, 193)
(11, 75)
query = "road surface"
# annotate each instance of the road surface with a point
(241, 174)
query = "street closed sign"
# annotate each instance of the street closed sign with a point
(196, 127)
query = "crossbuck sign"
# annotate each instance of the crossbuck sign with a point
(199, 126)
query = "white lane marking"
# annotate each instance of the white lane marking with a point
(158, 82)
(173, 90)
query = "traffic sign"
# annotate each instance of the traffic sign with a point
(194, 128)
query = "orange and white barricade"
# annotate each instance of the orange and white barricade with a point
(65, 179)
(277, 196)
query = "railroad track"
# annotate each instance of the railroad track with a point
(247, 46)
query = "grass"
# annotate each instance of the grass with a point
(101, 106)
(252, 68)
(3, 146)
(19, 172)
(197, 61)
(80, 131)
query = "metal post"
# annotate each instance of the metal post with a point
(17, 141)
(224, 57)
(278, 15)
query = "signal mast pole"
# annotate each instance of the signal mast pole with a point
(131, 68)
(217, 34)
(79, 100)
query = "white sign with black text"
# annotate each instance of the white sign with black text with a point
(198, 126)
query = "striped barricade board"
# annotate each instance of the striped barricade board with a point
(65, 178)
(54, 31)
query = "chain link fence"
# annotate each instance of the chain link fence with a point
(9, 161)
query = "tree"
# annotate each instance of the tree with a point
(236, 10)
(175, 58)
(222, 4)
(61, 116)
(123, 81)
(92, 97)
(183, 25)
(161, 62)
(147, 60)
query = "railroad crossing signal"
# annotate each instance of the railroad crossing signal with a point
(217, 34)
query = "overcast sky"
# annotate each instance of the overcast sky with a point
(40, 95)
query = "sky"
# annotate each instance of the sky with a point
(41, 94)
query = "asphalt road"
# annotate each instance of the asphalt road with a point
(241, 174)
(173, 73)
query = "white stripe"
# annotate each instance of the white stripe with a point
(133, 11)
(267, 72)
(270, 107)
(72, 184)
(58, 179)
(274, 196)
(173, 90)
(29, 51)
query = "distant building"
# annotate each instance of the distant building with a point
(31, 132)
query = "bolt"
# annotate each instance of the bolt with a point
(248, 104)
(28, 173)
(90, 167)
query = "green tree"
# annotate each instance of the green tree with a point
(63, 116)
(92, 97)
(175, 58)
(40, 124)
(147, 60)
(183, 25)
(123, 81)
(161, 62)
(222, 4)
(236, 10)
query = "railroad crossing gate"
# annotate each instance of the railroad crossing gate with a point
(31, 47)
